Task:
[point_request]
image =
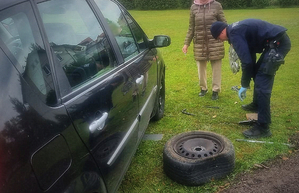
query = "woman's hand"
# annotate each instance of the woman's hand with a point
(185, 49)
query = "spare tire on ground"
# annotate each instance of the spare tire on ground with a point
(197, 157)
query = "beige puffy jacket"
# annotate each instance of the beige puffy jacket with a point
(201, 19)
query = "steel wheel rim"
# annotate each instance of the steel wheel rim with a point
(198, 147)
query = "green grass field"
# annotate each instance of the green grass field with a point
(146, 171)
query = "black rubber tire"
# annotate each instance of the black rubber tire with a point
(197, 157)
(160, 106)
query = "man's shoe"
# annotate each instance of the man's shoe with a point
(215, 96)
(203, 93)
(250, 107)
(258, 131)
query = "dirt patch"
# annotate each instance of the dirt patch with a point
(276, 176)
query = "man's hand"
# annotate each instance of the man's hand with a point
(242, 93)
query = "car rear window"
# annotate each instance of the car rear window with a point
(21, 36)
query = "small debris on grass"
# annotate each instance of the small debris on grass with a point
(184, 111)
(284, 158)
(261, 166)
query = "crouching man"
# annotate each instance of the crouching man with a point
(249, 37)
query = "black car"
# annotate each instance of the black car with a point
(80, 81)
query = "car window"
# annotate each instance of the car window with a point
(20, 34)
(136, 31)
(128, 35)
(78, 40)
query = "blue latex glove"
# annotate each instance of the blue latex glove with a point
(242, 93)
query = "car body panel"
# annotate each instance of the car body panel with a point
(74, 107)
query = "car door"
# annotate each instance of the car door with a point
(133, 45)
(40, 149)
(99, 91)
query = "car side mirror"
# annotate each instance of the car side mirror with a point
(160, 41)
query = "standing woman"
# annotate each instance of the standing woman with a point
(202, 14)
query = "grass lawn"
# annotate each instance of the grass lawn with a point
(146, 171)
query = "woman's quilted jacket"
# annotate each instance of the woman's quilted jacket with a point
(201, 19)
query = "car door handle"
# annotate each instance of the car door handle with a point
(99, 123)
(140, 79)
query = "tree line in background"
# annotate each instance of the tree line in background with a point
(185, 4)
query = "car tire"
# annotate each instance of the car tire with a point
(197, 157)
(160, 106)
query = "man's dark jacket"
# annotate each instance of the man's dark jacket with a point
(249, 37)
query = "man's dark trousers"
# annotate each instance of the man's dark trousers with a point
(263, 83)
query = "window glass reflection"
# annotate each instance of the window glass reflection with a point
(19, 33)
(77, 40)
(119, 27)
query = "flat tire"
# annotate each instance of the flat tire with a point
(197, 157)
